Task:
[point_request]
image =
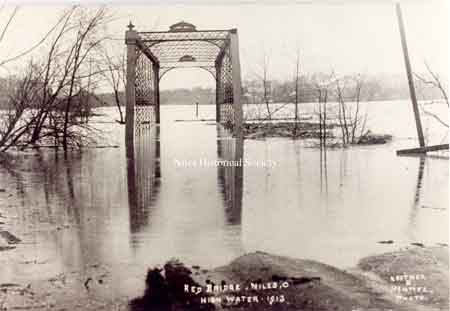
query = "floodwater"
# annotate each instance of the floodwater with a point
(170, 199)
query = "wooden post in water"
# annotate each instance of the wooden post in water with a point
(130, 92)
(423, 149)
(412, 90)
(237, 84)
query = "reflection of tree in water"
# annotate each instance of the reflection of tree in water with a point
(143, 174)
(230, 178)
(49, 194)
(323, 167)
(11, 167)
(54, 173)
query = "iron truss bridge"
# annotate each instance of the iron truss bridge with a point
(150, 55)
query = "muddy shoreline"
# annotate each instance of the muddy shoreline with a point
(261, 281)
(255, 281)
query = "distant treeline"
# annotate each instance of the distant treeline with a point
(203, 96)
(373, 88)
(376, 88)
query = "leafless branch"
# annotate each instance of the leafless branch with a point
(8, 23)
(43, 39)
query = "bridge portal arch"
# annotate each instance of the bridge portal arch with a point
(152, 54)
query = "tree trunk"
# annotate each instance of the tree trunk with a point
(116, 95)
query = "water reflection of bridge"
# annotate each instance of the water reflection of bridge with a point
(230, 178)
(144, 176)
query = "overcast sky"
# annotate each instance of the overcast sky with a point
(347, 36)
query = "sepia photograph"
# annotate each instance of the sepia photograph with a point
(193, 155)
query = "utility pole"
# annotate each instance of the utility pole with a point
(412, 91)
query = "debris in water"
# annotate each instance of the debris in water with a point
(418, 244)
(436, 208)
(9, 237)
(86, 283)
(9, 285)
(386, 242)
(370, 138)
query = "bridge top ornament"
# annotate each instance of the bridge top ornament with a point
(182, 27)
(187, 58)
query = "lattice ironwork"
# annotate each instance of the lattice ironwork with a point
(158, 36)
(225, 90)
(172, 47)
(174, 51)
(144, 117)
(164, 70)
(145, 91)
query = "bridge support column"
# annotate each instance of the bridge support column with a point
(130, 92)
(217, 93)
(156, 93)
(237, 83)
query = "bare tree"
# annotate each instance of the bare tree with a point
(80, 50)
(351, 121)
(266, 84)
(32, 47)
(14, 123)
(296, 89)
(58, 102)
(263, 76)
(115, 74)
(356, 118)
(84, 39)
(435, 82)
(341, 111)
(322, 88)
(8, 23)
(55, 70)
(43, 76)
